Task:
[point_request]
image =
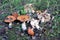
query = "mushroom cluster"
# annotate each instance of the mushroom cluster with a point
(29, 21)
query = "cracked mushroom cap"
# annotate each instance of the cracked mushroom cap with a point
(9, 19)
(23, 18)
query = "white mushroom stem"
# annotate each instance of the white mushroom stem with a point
(42, 20)
(10, 25)
(32, 23)
(35, 23)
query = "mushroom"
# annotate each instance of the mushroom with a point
(15, 14)
(10, 19)
(35, 24)
(46, 17)
(30, 31)
(43, 16)
(23, 18)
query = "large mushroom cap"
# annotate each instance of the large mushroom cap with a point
(10, 19)
(30, 32)
(23, 18)
(15, 14)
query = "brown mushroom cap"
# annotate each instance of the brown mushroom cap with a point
(23, 18)
(30, 32)
(15, 14)
(10, 19)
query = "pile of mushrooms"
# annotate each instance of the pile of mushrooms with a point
(43, 17)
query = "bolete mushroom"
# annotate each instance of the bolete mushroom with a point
(23, 18)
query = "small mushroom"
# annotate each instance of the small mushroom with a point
(30, 31)
(23, 18)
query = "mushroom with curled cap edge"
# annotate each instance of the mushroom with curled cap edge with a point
(23, 18)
